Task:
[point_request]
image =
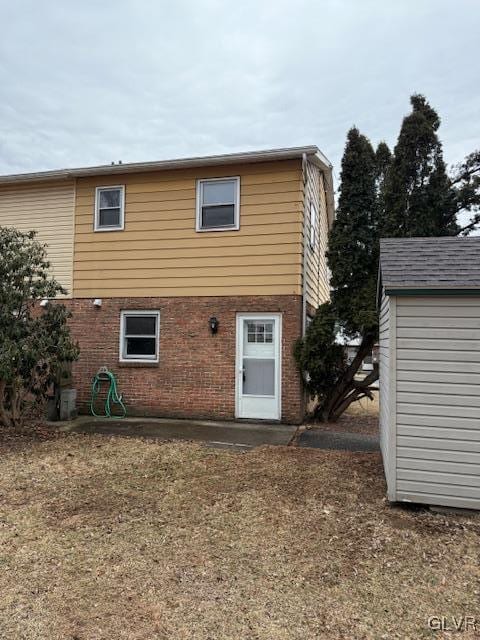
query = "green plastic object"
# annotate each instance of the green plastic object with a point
(113, 397)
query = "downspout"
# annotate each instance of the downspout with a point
(304, 259)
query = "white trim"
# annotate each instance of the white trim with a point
(277, 317)
(134, 312)
(236, 204)
(119, 227)
(264, 155)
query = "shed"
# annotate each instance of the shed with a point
(429, 301)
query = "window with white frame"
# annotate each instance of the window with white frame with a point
(109, 208)
(218, 204)
(139, 336)
(313, 225)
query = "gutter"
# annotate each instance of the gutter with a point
(164, 165)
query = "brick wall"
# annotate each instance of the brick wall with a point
(196, 373)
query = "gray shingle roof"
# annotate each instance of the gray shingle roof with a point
(432, 263)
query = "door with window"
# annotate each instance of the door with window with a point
(258, 366)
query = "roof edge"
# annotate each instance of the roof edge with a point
(288, 153)
(431, 291)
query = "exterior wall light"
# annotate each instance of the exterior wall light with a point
(213, 323)
(44, 302)
(97, 302)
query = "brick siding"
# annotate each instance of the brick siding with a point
(195, 377)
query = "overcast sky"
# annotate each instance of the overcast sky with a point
(90, 81)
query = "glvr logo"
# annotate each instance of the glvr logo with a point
(452, 623)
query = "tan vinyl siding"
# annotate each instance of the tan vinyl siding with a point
(316, 285)
(160, 253)
(49, 210)
(438, 406)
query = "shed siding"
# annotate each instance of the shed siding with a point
(438, 406)
(47, 209)
(316, 277)
(159, 253)
(387, 411)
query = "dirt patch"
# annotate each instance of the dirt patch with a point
(14, 440)
(350, 424)
(106, 538)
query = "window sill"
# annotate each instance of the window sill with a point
(216, 229)
(138, 365)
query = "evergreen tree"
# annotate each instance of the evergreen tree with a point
(33, 345)
(409, 194)
(353, 262)
(353, 240)
(419, 198)
(383, 162)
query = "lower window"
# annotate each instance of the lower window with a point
(139, 336)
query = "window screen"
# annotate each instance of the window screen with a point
(109, 208)
(217, 204)
(140, 335)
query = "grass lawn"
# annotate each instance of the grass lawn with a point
(122, 538)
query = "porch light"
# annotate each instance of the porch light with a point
(213, 322)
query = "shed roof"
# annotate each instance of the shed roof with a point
(430, 263)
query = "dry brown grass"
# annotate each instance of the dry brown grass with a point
(126, 539)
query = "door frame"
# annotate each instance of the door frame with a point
(240, 317)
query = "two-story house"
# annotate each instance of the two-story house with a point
(190, 279)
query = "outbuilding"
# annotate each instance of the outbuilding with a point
(429, 301)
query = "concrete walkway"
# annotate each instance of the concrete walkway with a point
(232, 435)
(317, 438)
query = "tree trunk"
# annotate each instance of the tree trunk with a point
(348, 389)
(5, 417)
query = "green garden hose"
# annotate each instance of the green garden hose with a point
(113, 397)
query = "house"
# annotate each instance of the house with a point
(429, 290)
(190, 279)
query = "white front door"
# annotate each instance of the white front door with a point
(258, 366)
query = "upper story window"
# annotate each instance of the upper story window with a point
(139, 336)
(218, 204)
(313, 226)
(109, 208)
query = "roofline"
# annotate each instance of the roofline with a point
(431, 291)
(290, 153)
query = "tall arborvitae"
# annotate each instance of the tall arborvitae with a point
(383, 162)
(419, 199)
(353, 240)
(352, 258)
(407, 195)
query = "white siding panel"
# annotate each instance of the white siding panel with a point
(387, 398)
(430, 420)
(444, 355)
(409, 456)
(435, 409)
(49, 210)
(450, 489)
(447, 375)
(438, 400)
(439, 432)
(439, 388)
(438, 443)
(431, 344)
(437, 466)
